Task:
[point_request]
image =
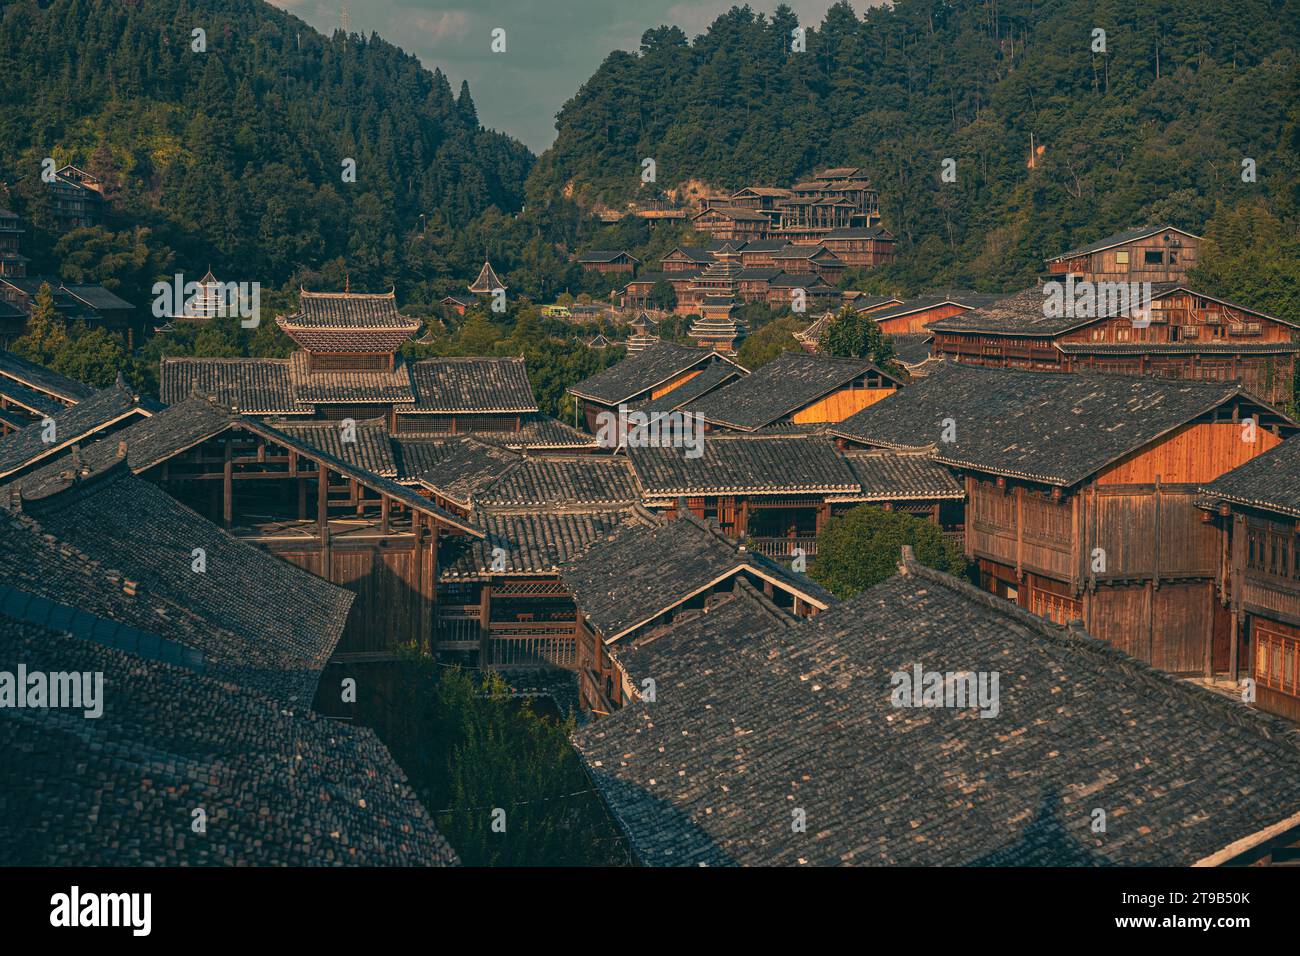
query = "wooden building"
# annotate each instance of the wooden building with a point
(860, 248)
(686, 259)
(92, 304)
(338, 517)
(756, 717)
(1257, 508)
(641, 377)
(1147, 254)
(1080, 494)
(917, 315)
(796, 388)
(1179, 333)
(618, 262)
(638, 580)
(30, 392)
(77, 199)
(731, 222)
(775, 493)
(12, 261)
(814, 259)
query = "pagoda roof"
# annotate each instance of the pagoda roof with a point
(487, 281)
(348, 322)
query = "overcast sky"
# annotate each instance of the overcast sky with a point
(552, 46)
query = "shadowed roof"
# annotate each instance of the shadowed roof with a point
(742, 734)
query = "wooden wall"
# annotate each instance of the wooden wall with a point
(1196, 453)
(840, 405)
(668, 386)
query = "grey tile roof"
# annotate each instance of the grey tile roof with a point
(471, 385)
(279, 787)
(456, 467)
(37, 377)
(75, 423)
(1270, 481)
(531, 542)
(713, 376)
(1043, 426)
(97, 297)
(745, 465)
(253, 386)
(371, 450)
(899, 476)
(539, 432)
(912, 348)
(331, 310)
(81, 543)
(802, 719)
(780, 388)
(638, 572)
(654, 365)
(562, 482)
(311, 387)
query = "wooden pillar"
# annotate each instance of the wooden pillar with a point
(485, 625)
(1209, 630)
(227, 488)
(384, 506)
(1020, 533)
(323, 522)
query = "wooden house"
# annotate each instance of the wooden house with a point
(615, 261)
(94, 417)
(796, 388)
(1080, 493)
(1178, 333)
(775, 493)
(639, 292)
(30, 392)
(12, 261)
(647, 375)
(1147, 254)
(77, 199)
(460, 304)
(340, 515)
(638, 580)
(814, 259)
(757, 720)
(731, 222)
(760, 253)
(686, 259)
(92, 304)
(1257, 508)
(788, 289)
(860, 248)
(917, 315)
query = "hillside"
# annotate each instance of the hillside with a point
(233, 157)
(1154, 129)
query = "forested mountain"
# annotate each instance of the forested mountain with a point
(233, 157)
(1153, 129)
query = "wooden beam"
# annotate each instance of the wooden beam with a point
(227, 489)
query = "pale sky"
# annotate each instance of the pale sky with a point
(552, 46)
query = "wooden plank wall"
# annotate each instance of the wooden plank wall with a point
(1196, 453)
(840, 405)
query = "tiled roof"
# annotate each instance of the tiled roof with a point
(74, 423)
(745, 465)
(329, 310)
(1270, 481)
(371, 448)
(784, 385)
(802, 719)
(1043, 426)
(97, 297)
(899, 476)
(912, 348)
(637, 573)
(531, 542)
(40, 378)
(277, 786)
(456, 467)
(334, 386)
(713, 376)
(471, 384)
(38, 403)
(253, 386)
(639, 373)
(554, 482)
(605, 255)
(119, 547)
(1119, 238)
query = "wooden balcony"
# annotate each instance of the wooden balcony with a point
(783, 547)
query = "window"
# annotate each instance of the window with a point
(1121, 258)
(1153, 257)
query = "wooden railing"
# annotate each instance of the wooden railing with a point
(783, 547)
